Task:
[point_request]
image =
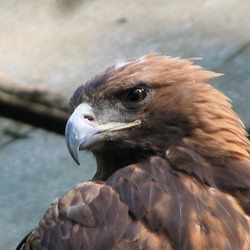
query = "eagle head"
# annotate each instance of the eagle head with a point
(146, 105)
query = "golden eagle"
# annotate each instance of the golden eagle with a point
(173, 164)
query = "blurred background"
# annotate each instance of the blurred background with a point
(48, 48)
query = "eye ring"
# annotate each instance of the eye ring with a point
(134, 97)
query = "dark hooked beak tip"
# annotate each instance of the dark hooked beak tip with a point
(72, 142)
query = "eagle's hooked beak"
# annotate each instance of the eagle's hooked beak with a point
(82, 129)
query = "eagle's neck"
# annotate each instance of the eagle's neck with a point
(226, 170)
(111, 159)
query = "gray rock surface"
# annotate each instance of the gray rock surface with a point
(62, 43)
(35, 169)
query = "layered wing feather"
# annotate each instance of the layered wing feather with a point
(143, 206)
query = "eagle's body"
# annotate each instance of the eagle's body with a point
(173, 164)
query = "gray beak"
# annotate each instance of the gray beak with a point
(83, 130)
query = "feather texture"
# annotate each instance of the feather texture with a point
(178, 179)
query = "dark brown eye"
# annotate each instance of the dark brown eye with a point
(135, 96)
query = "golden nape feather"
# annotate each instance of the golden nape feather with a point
(173, 163)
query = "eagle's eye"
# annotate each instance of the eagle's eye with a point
(134, 96)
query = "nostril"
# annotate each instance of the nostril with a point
(88, 117)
